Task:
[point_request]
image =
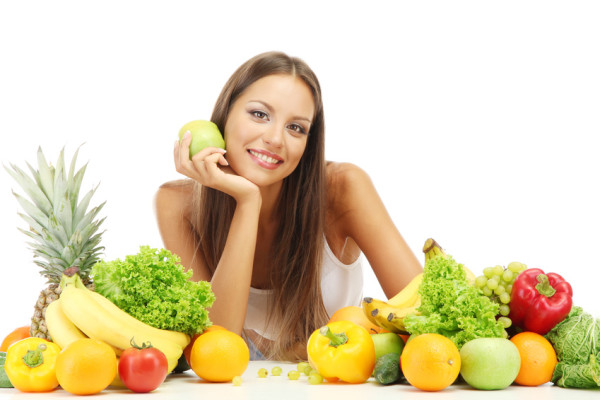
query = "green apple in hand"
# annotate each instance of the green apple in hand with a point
(204, 134)
(387, 342)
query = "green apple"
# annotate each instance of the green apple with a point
(387, 342)
(204, 134)
(489, 363)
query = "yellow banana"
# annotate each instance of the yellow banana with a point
(432, 249)
(396, 319)
(98, 323)
(179, 338)
(378, 310)
(409, 295)
(386, 316)
(61, 329)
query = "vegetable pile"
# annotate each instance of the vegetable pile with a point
(153, 287)
(577, 343)
(451, 306)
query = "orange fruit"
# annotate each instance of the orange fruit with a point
(188, 349)
(86, 366)
(430, 362)
(16, 335)
(355, 314)
(538, 359)
(219, 355)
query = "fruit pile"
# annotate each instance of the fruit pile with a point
(446, 322)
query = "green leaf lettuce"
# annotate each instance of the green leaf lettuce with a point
(452, 307)
(153, 287)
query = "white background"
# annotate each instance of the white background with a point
(477, 121)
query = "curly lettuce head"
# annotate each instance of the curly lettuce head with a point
(577, 343)
(452, 307)
(153, 287)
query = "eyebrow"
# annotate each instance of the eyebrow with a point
(270, 108)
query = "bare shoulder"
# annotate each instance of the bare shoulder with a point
(174, 196)
(345, 180)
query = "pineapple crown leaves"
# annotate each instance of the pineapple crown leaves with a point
(64, 233)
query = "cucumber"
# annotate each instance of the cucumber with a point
(387, 369)
(4, 381)
(182, 365)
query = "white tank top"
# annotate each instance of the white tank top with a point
(341, 286)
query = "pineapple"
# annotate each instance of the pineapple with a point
(64, 234)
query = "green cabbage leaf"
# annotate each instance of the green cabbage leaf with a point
(153, 287)
(452, 307)
(576, 340)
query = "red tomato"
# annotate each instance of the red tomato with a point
(143, 369)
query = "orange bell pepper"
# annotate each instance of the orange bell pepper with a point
(342, 350)
(31, 365)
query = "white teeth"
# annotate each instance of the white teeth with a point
(264, 157)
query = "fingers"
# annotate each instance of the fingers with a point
(203, 166)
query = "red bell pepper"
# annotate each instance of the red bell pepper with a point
(539, 301)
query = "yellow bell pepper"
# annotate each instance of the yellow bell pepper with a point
(30, 365)
(342, 350)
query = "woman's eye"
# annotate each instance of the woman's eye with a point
(260, 114)
(297, 128)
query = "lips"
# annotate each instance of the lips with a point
(265, 159)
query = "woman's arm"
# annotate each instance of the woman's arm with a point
(232, 277)
(172, 205)
(363, 218)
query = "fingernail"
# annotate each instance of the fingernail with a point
(186, 135)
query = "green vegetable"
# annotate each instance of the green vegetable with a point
(182, 365)
(153, 287)
(576, 340)
(452, 307)
(387, 369)
(4, 381)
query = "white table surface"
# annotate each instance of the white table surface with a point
(189, 386)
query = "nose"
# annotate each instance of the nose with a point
(273, 135)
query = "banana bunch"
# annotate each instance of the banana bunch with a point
(80, 313)
(390, 314)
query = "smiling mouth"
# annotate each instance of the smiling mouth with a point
(265, 157)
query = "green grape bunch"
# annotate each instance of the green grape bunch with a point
(496, 283)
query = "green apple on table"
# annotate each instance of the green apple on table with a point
(489, 363)
(204, 134)
(387, 342)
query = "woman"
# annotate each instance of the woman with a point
(276, 230)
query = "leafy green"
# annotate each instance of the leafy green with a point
(576, 340)
(153, 287)
(4, 381)
(452, 307)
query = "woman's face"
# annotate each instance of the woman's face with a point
(267, 128)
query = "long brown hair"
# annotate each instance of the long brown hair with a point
(295, 274)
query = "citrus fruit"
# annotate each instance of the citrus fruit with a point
(489, 363)
(538, 359)
(219, 355)
(86, 366)
(188, 349)
(16, 335)
(355, 314)
(430, 362)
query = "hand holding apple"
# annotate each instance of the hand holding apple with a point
(204, 134)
